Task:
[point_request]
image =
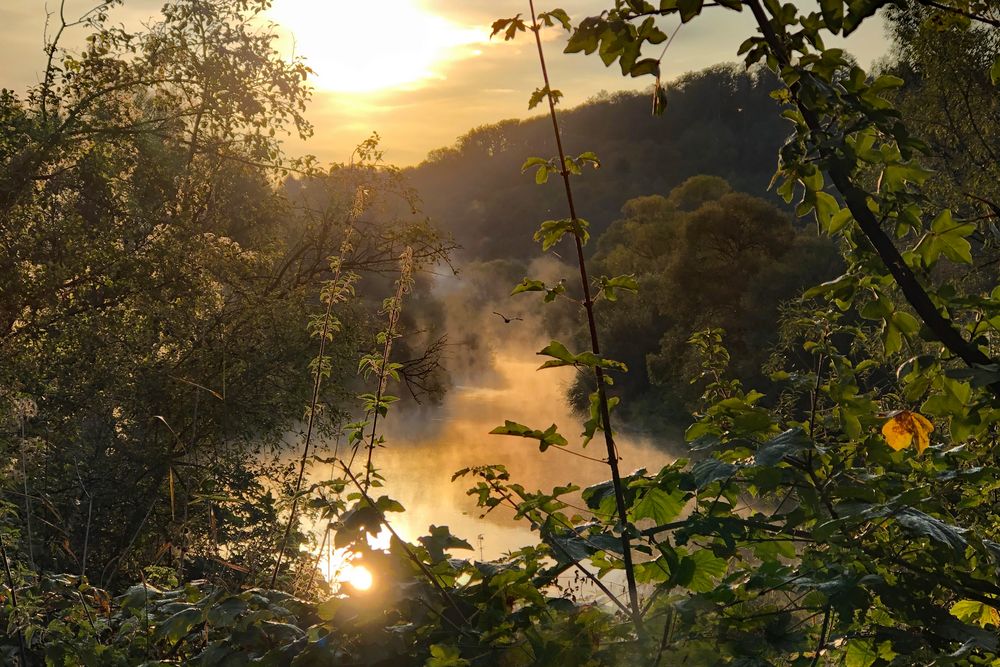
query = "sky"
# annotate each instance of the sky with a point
(421, 73)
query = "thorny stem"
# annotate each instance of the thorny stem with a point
(401, 286)
(317, 382)
(13, 597)
(588, 304)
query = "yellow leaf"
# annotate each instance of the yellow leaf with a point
(900, 431)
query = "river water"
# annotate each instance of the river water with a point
(425, 446)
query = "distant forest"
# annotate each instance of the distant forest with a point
(721, 122)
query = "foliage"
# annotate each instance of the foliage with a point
(159, 264)
(802, 530)
(721, 122)
(703, 257)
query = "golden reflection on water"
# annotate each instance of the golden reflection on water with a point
(424, 447)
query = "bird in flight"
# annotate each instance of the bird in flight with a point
(507, 320)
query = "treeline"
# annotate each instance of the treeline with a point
(721, 122)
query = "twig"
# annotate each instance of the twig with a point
(822, 637)
(588, 303)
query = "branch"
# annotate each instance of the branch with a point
(856, 200)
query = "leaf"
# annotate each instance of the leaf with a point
(900, 431)
(712, 469)
(223, 614)
(971, 611)
(546, 438)
(773, 451)
(995, 73)
(707, 569)
(658, 505)
(179, 625)
(689, 9)
(860, 654)
(923, 524)
(443, 655)
(440, 538)
(833, 14)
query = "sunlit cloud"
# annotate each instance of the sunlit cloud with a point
(358, 48)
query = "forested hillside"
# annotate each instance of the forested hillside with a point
(721, 123)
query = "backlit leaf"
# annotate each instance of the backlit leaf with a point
(906, 426)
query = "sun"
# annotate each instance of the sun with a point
(357, 577)
(360, 47)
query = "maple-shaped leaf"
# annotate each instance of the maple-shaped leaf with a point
(901, 429)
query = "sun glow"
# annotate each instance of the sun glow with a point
(339, 565)
(358, 577)
(360, 47)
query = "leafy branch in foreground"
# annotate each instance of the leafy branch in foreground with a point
(550, 233)
(339, 289)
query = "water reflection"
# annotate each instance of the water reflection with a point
(425, 446)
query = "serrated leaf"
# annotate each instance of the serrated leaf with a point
(658, 505)
(773, 451)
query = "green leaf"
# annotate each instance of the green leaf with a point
(610, 286)
(552, 231)
(658, 505)
(919, 523)
(995, 73)
(860, 653)
(546, 438)
(971, 611)
(179, 625)
(708, 568)
(711, 469)
(790, 442)
(689, 9)
(224, 613)
(833, 14)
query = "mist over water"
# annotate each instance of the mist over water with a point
(425, 447)
(493, 368)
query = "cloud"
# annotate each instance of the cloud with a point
(477, 84)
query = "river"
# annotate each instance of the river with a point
(425, 446)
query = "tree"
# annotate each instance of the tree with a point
(158, 276)
(705, 258)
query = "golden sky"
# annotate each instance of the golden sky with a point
(419, 72)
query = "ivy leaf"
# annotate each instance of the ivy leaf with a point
(901, 429)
